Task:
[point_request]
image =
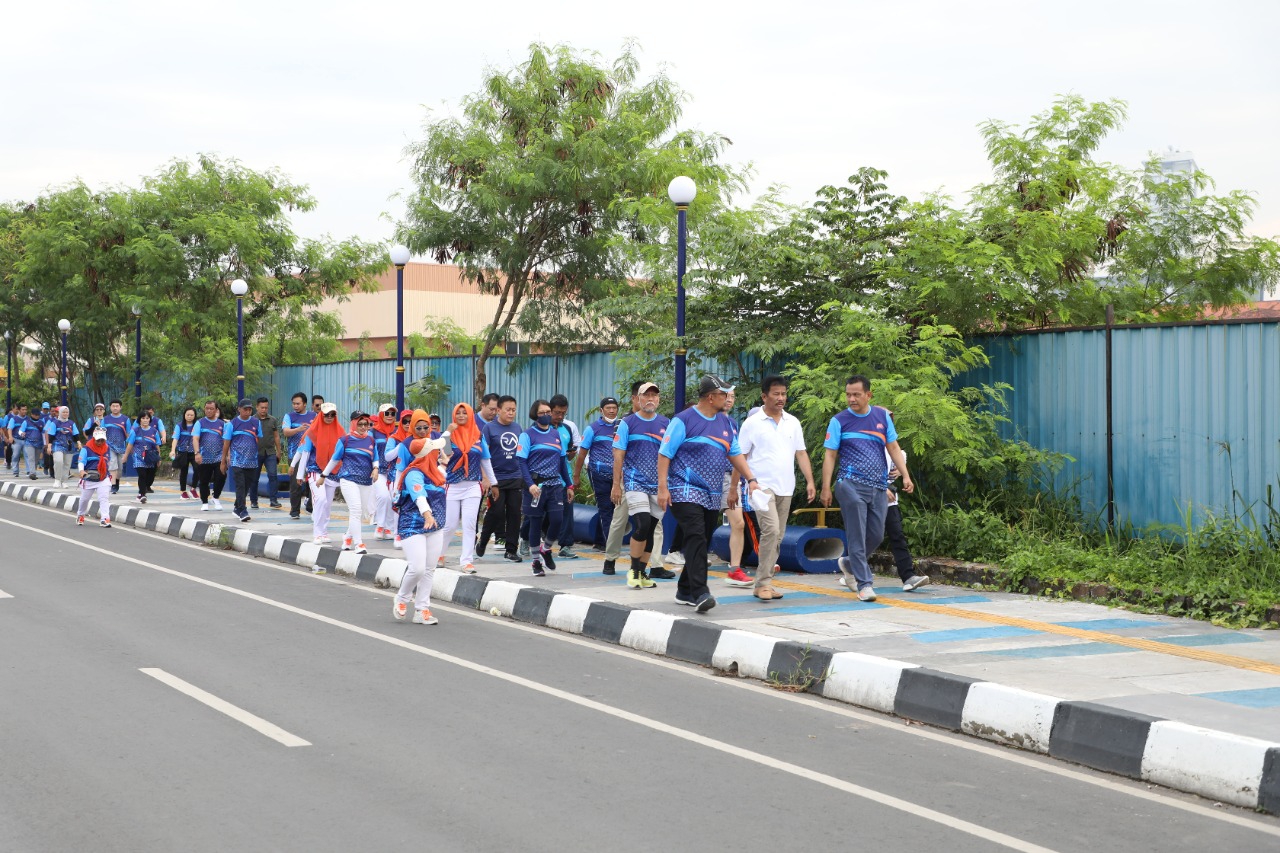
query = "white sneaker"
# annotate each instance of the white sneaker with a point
(675, 558)
(866, 594)
(467, 568)
(424, 617)
(915, 582)
(217, 504)
(204, 507)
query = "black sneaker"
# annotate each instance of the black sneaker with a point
(245, 518)
(274, 505)
(253, 506)
(308, 506)
(295, 515)
(706, 601)
(512, 558)
(658, 573)
(480, 546)
(537, 568)
(549, 559)
(610, 568)
(681, 598)
(114, 489)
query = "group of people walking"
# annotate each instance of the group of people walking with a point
(417, 480)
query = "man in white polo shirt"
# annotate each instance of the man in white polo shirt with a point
(773, 442)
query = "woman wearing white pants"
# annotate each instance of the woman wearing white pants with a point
(95, 477)
(420, 500)
(63, 441)
(356, 476)
(468, 473)
(314, 454)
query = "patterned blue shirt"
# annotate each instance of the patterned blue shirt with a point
(473, 473)
(291, 420)
(117, 427)
(861, 441)
(698, 447)
(184, 437)
(598, 440)
(544, 452)
(207, 435)
(640, 438)
(142, 440)
(64, 435)
(410, 522)
(357, 459)
(243, 435)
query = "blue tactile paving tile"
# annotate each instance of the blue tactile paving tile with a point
(961, 634)
(1263, 697)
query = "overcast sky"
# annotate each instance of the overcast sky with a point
(809, 91)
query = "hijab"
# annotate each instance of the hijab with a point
(464, 435)
(427, 462)
(324, 438)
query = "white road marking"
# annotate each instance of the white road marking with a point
(1140, 790)
(4, 594)
(238, 714)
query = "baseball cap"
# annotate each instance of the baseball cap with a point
(711, 384)
(358, 415)
(246, 403)
(44, 405)
(328, 409)
(99, 405)
(608, 401)
(647, 386)
(386, 407)
(99, 432)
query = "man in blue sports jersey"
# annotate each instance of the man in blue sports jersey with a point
(634, 489)
(856, 442)
(294, 427)
(240, 453)
(117, 425)
(597, 453)
(691, 480)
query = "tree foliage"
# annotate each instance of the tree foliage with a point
(172, 246)
(554, 170)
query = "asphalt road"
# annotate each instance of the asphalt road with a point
(476, 734)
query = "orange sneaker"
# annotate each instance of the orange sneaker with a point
(399, 610)
(424, 617)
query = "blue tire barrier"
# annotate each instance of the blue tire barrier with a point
(586, 521)
(813, 550)
(264, 484)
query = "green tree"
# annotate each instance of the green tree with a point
(172, 246)
(554, 170)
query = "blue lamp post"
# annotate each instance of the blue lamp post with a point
(682, 191)
(239, 288)
(137, 361)
(64, 326)
(399, 257)
(8, 371)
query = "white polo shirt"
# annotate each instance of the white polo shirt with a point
(771, 447)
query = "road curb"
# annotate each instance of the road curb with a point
(1219, 765)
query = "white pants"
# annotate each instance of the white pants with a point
(62, 465)
(382, 515)
(462, 504)
(321, 503)
(101, 490)
(359, 502)
(421, 553)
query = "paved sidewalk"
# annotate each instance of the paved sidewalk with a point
(1147, 666)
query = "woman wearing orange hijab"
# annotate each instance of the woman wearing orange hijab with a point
(314, 454)
(420, 502)
(468, 474)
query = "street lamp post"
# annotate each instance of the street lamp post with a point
(239, 288)
(682, 191)
(399, 257)
(137, 361)
(65, 326)
(8, 371)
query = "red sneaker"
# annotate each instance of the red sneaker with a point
(738, 577)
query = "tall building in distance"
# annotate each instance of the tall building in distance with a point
(1172, 160)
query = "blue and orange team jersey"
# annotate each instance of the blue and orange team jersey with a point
(640, 438)
(207, 435)
(117, 427)
(142, 441)
(294, 419)
(472, 471)
(410, 521)
(243, 435)
(698, 447)
(598, 441)
(89, 461)
(184, 437)
(861, 441)
(357, 455)
(543, 449)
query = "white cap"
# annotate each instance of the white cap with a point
(328, 408)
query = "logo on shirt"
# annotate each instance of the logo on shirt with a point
(509, 442)
(879, 426)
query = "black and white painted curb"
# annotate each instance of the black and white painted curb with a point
(1225, 767)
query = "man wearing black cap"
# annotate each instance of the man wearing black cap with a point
(691, 464)
(240, 452)
(597, 452)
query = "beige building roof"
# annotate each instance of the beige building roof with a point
(430, 291)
